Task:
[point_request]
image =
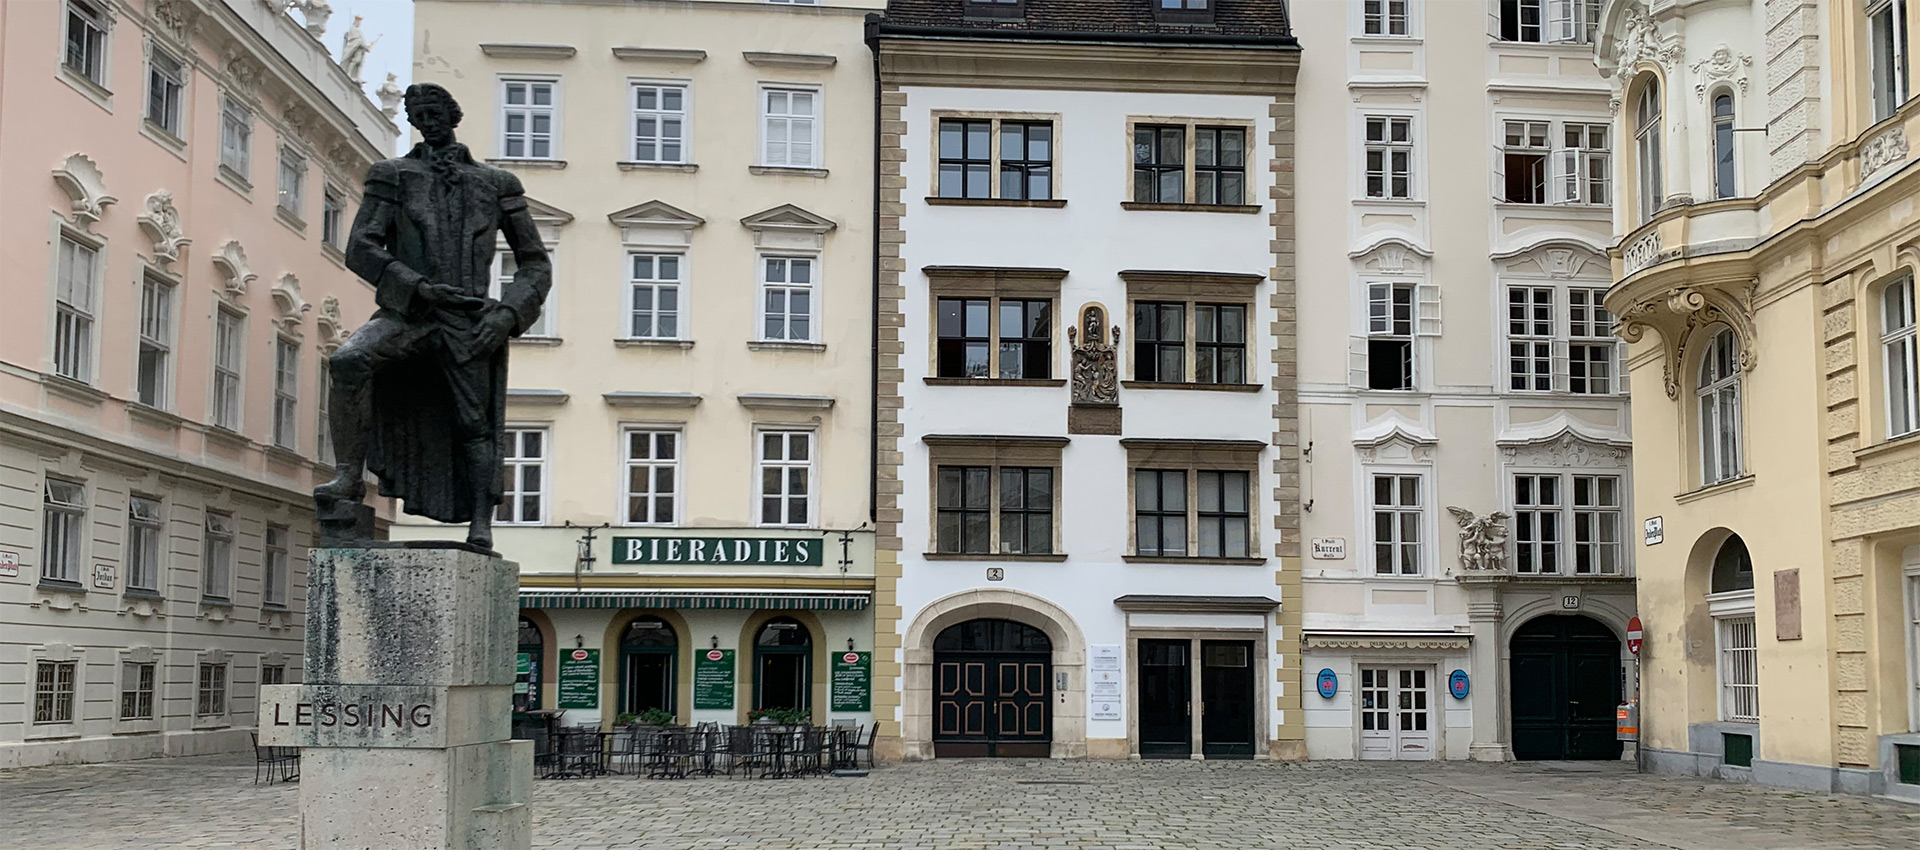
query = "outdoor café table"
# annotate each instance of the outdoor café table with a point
(781, 745)
(577, 753)
(842, 743)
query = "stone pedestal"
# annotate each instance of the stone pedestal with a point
(404, 717)
(1484, 614)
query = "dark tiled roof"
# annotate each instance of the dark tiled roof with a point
(1234, 20)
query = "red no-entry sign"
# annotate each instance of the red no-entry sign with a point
(1633, 635)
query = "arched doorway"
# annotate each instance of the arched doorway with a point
(526, 671)
(648, 650)
(992, 690)
(1565, 683)
(783, 666)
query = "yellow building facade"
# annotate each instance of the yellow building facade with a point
(1769, 236)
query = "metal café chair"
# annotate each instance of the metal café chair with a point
(743, 750)
(670, 757)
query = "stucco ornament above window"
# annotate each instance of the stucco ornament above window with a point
(1628, 38)
(160, 220)
(332, 331)
(231, 262)
(1681, 311)
(1722, 66)
(178, 18)
(288, 303)
(81, 179)
(1888, 148)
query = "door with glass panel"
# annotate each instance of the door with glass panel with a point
(1396, 715)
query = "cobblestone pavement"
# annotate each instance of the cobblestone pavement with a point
(212, 803)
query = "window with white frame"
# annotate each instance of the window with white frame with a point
(786, 477)
(293, 183)
(1592, 352)
(790, 128)
(136, 690)
(653, 476)
(210, 692)
(278, 570)
(1397, 313)
(87, 28)
(54, 683)
(1719, 394)
(1544, 517)
(146, 541)
(1549, 21)
(1911, 568)
(1530, 338)
(795, 2)
(1900, 357)
(323, 423)
(1389, 156)
(236, 138)
(1524, 158)
(525, 499)
(1646, 135)
(273, 674)
(787, 288)
(333, 218)
(76, 282)
(1739, 669)
(65, 521)
(1723, 170)
(653, 295)
(1558, 162)
(286, 393)
(1553, 351)
(1384, 17)
(529, 119)
(504, 267)
(166, 89)
(154, 373)
(1887, 55)
(659, 123)
(229, 343)
(216, 558)
(1399, 512)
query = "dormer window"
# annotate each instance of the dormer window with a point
(1183, 11)
(996, 8)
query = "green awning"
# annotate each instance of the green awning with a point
(852, 600)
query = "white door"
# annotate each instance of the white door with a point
(1396, 721)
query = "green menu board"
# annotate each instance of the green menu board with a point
(713, 678)
(580, 678)
(852, 685)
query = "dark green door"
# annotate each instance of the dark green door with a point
(1565, 681)
(1226, 696)
(1166, 706)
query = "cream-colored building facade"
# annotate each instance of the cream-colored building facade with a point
(702, 173)
(178, 176)
(1453, 356)
(1765, 269)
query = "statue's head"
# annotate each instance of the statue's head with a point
(433, 111)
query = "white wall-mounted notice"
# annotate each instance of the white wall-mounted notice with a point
(1106, 682)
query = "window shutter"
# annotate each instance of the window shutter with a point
(1379, 308)
(1493, 21)
(1567, 175)
(1619, 367)
(1357, 362)
(1426, 309)
(1560, 366)
(1560, 21)
(1499, 173)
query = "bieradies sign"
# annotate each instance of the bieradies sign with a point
(720, 551)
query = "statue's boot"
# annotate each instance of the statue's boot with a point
(481, 472)
(348, 422)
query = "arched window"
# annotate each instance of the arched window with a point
(1646, 135)
(647, 665)
(1900, 357)
(526, 679)
(1723, 145)
(1730, 602)
(783, 665)
(1719, 393)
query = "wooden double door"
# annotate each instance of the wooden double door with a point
(992, 691)
(1566, 682)
(1225, 680)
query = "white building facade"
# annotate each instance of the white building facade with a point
(1455, 357)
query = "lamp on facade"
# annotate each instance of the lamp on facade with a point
(716, 642)
(579, 641)
(849, 644)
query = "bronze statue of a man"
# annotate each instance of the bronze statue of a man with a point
(419, 392)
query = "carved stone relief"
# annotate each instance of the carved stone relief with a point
(290, 305)
(231, 262)
(1096, 373)
(1483, 539)
(160, 220)
(86, 187)
(1721, 66)
(1565, 451)
(1682, 311)
(1886, 149)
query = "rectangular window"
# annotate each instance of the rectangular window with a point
(1537, 515)
(1385, 17)
(1389, 156)
(1597, 544)
(1164, 166)
(1159, 341)
(76, 281)
(1530, 321)
(279, 569)
(524, 502)
(146, 540)
(53, 687)
(966, 158)
(1543, 355)
(1220, 343)
(323, 423)
(1549, 21)
(1398, 513)
(503, 270)
(786, 477)
(653, 296)
(1160, 512)
(86, 52)
(333, 218)
(1026, 160)
(228, 341)
(1581, 165)
(659, 123)
(1553, 162)
(1220, 166)
(1026, 510)
(787, 292)
(1591, 346)
(528, 119)
(236, 138)
(963, 508)
(1159, 164)
(790, 129)
(969, 159)
(152, 380)
(136, 690)
(293, 183)
(211, 692)
(1887, 55)
(65, 520)
(273, 674)
(216, 561)
(1525, 162)
(1543, 515)
(1223, 514)
(286, 394)
(968, 329)
(1390, 326)
(1913, 654)
(1739, 670)
(1522, 20)
(653, 477)
(166, 83)
(1900, 357)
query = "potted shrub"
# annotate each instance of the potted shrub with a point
(656, 717)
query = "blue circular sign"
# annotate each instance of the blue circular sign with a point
(1457, 684)
(1328, 683)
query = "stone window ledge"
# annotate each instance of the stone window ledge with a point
(788, 170)
(653, 343)
(545, 341)
(1177, 560)
(99, 94)
(1046, 203)
(160, 136)
(1191, 385)
(1142, 206)
(1729, 485)
(779, 345)
(504, 162)
(1904, 441)
(229, 437)
(682, 167)
(1055, 557)
(235, 181)
(74, 390)
(60, 585)
(995, 382)
(291, 219)
(153, 416)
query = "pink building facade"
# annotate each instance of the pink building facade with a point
(178, 179)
